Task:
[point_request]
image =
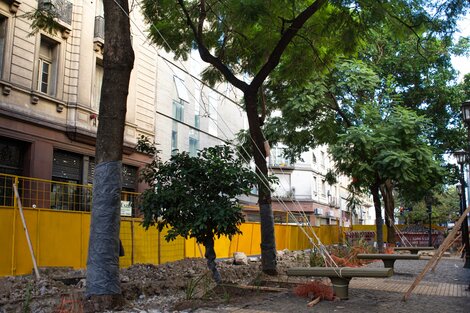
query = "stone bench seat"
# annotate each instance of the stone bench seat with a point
(340, 276)
(388, 259)
(413, 250)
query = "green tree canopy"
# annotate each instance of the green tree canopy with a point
(196, 197)
(245, 41)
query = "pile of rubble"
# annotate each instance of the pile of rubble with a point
(143, 285)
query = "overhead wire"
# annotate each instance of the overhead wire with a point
(320, 246)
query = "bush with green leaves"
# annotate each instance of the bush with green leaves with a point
(196, 197)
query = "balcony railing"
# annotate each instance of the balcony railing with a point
(55, 195)
(62, 8)
(99, 27)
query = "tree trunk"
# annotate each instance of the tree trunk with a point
(268, 242)
(378, 216)
(103, 285)
(210, 256)
(386, 190)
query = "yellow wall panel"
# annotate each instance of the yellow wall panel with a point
(171, 251)
(6, 239)
(85, 220)
(234, 245)
(280, 232)
(190, 248)
(23, 263)
(245, 240)
(57, 239)
(60, 238)
(145, 247)
(222, 247)
(255, 238)
(125, 234)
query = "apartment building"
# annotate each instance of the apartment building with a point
(189, 114)
(303, 194)
(50, 88)
(50, 91)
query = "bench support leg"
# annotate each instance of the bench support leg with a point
(341, 287)
(389, 263)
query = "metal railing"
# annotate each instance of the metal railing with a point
(55, 195)
(62, 8)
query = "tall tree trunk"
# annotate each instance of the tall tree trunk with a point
(386, 190)
(210, 256)
(374, 189)
(103, 285)
(268, 242)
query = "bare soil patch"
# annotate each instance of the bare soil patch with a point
(180, 285)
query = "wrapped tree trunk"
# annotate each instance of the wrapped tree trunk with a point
(103, 285)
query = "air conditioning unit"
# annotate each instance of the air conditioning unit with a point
(331, 214)
(318, 211)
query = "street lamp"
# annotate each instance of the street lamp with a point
(466, 112)
(461, 157)
(428, 200)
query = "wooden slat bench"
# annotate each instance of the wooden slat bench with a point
(388, 259)
(413, 250)
(340, 276)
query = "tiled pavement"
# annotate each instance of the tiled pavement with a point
(424, 287)
(441, 291)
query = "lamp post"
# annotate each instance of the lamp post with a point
(461, 157)
(428, 200)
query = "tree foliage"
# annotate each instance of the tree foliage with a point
(445, 209)
(389, 146)
(197, 196)
(244, 42)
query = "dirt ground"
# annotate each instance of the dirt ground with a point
(181, 285)
(186, 286)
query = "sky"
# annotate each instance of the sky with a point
(462, 64)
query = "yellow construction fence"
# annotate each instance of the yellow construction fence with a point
(58, 221)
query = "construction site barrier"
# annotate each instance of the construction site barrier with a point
(58, 218)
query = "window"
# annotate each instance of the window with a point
(3, 32)
(314, 158)
(314, 186)
(98, 83)
(47, 66)
(213, 116)
(178, 110)
(66, 174)
(277, 157)
(323, 159)
(284, 187)
(197, 116)
(323, 188)
(178, 115)
(181, 89)
(193, 142)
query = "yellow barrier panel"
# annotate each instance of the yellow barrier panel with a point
(59, 227)
(6, 231)
(57, 235)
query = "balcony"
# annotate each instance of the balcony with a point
(63, 10)
(99, 27)
(98, 39)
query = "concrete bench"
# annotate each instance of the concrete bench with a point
(413, 250)
(340, 276)
(388, 259)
